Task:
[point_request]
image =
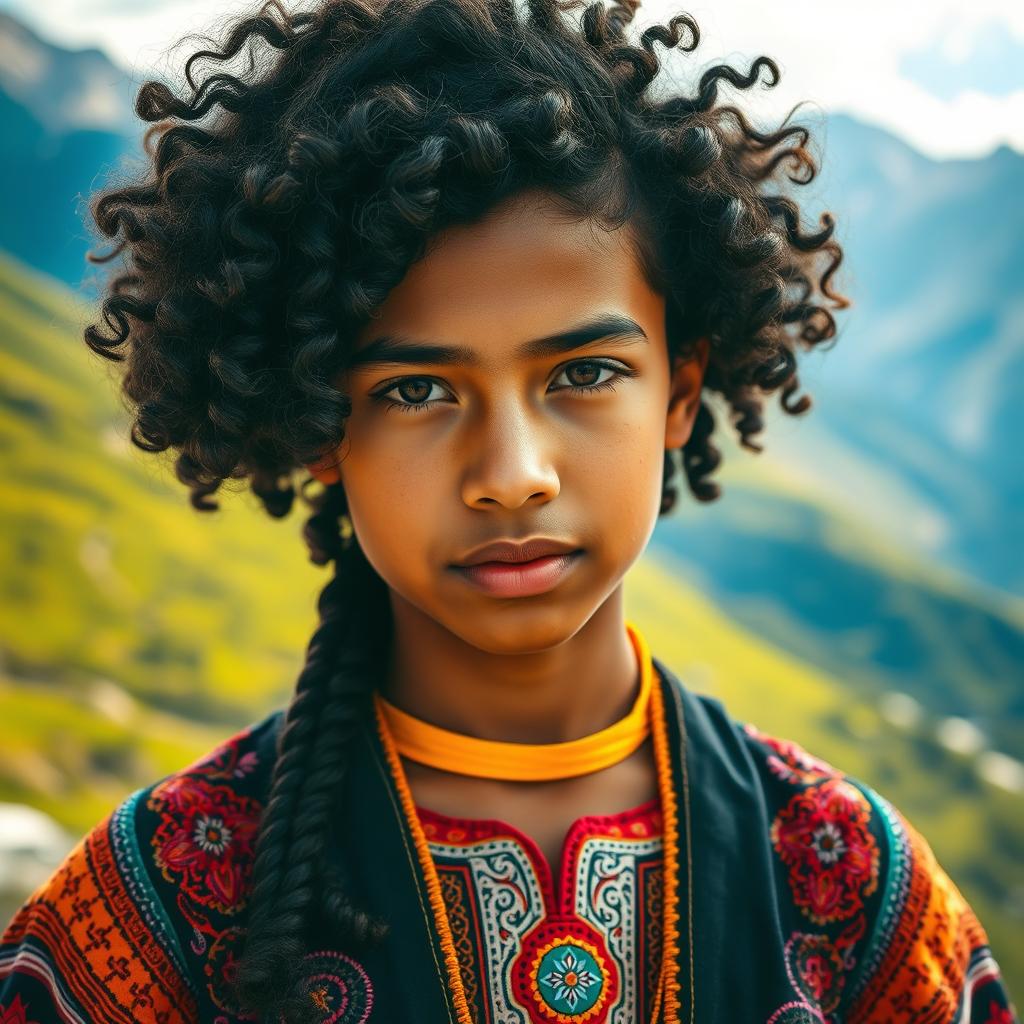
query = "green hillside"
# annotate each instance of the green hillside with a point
(791, 565)
(135, 633)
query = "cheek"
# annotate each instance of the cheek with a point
(628, 458)
(624, 480)
(392, 496)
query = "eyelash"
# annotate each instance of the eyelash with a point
(610, 384)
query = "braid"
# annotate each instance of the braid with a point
(294, 890)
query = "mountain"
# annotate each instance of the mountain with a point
(858, 586)
(926, 380)
(63, 90)
(67, 119)
(810, 577)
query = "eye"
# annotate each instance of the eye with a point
(416, 391)
(418, 398)
(587, 368)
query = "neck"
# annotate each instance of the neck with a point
(570, 689)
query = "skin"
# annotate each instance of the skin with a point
(509, 450)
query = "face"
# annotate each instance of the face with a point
(520, 436)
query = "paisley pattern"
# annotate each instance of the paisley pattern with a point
(816, 969)
(205, 842)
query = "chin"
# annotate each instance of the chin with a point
(511, 630)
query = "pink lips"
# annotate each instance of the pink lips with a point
(520, 579)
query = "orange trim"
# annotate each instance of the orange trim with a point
(426, 860)
(668, 986)
(450, 751)
(55, 932)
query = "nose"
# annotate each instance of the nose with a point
(508, 462)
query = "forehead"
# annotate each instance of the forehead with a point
(523, 271)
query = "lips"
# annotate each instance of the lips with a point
(517, 551)
(521, 579)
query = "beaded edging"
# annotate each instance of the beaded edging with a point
(669, 983)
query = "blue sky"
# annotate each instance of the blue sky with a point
(992, 63)
(946, 76)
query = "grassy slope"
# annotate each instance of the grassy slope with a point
(842, 597)
(112, 587)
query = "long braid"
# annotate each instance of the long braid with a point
(294, 890)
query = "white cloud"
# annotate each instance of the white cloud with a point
(838, 56)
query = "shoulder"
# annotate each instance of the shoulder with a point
(136, 921)
(875, 930)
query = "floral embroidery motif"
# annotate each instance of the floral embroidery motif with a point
(584, 946)
(822, 835)
(205, 843)
(212, 835)
(338, 988)
(565, 975)
(569, 977)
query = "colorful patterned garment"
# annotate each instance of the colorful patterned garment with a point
(798, 895)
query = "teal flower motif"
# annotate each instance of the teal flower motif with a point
(569, 979)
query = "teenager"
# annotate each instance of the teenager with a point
(453, 274)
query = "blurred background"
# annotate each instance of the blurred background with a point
(859, 586)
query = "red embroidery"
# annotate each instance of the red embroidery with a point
(792, 763)
(822, 835)
(205, 843)
(15, 1013)
(996, 1014)
(562, 946)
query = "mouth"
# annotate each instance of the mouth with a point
(521, 579)
(517, 550)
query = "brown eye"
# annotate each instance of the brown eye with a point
(584, 373)
(414, 390)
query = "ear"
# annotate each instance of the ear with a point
(684, 395)
(325, 469)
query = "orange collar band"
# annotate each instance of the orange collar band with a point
(449, 751)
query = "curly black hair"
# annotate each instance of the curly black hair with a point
(282, 203)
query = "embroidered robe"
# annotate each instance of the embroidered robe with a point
(799, 894)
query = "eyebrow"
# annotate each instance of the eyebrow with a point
(397, 348)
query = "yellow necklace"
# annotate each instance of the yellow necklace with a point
(432, 745)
